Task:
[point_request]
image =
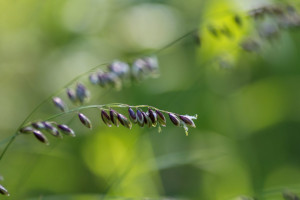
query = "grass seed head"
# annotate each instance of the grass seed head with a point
(27, 129)
(81, 92)
(71, 95)
(153, 116)
(147, 120)
(188, 120)
(3, 191)
(51, 129)
(40, 136)
(114, 117)
(119, 68)
(66, 130)
(174, 119)
(124, 121)
(161, 118)
(94, 79)
(38, 125)
(140, 118)
(106, 118)
(132, 115)
(58, 102)
(85, 120)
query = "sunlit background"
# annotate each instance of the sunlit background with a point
(239, 73)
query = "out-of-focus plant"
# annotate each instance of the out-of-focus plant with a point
(249, 31)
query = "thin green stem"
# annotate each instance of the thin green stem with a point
(176, 41)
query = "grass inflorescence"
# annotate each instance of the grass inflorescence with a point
(110, 115)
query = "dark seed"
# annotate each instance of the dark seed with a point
(84, 120)
(3, 191)
(38, 125)
(66, 130)
(58, 102)
(153, 116)
(51, 129)
(147, 120)
(174, 119)
(47, 125)
(187, 120)
(40, 136)
(114, 117)
(161, 118)
(140, 118)
(124, 121)
(81, 92)
(71, 94)
(132, 115)
(27, 129)
(105, 118)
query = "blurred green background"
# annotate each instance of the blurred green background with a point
(246, 143)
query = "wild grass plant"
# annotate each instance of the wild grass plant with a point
(260, 27)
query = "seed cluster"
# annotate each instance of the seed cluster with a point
(270, 20)
(116, 73)
(150, 118)
(119, 71)
(37, 129)
(267, 22)
(79, 95)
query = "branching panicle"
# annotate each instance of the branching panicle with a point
(109, 116)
